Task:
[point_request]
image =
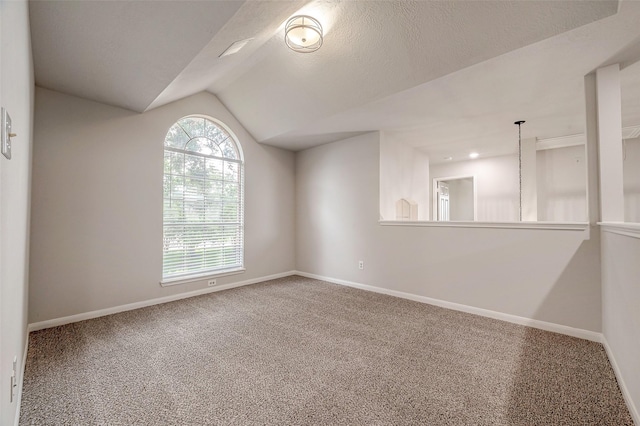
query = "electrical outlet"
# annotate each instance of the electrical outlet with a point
(361, 264)
(211, 283)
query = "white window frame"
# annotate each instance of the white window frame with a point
(225, 270)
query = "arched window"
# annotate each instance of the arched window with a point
(203, 220)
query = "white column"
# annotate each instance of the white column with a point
(529, 181)
(610, 143)
(591, 149)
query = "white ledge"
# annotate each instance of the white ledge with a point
(621, 228)
(201, 277)
(563, 226)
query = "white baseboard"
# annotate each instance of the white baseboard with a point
(548, 326)
(137, 305)
(557, 328)
(21, 381)
(621, 383)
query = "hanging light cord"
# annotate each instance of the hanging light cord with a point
(519, 123)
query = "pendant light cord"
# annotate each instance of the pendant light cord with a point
(519, 123)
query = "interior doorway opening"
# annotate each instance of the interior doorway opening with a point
(455, 199)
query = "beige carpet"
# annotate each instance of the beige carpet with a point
(301, 351)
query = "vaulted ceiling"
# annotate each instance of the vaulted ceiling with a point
(441, 73)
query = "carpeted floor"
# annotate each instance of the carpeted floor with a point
(301, 351)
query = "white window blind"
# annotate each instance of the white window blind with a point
(203, 213)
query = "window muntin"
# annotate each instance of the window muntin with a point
(203, 220)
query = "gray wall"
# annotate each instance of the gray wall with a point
(496, 183)
(631, 169)
(16, 95)
(562, 184)
(461, 199)
(97, 204)
(548, 275)
(404, 173)
(621, 307)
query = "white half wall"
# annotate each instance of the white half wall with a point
(16, 95)
(621, 311)
(97, 204)
(546, 275)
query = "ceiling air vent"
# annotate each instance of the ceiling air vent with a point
(235, 47)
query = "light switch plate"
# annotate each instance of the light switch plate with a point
(6, 134)
(14, 379)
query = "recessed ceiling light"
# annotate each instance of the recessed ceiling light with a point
(449, 158)
(235, 47)
(474, 155)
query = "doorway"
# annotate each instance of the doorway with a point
(454, 199)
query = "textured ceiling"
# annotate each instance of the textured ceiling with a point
(630, 82)
(255, 19)
(474, 109)
(377, 48)
(122, 53)
(445, 75)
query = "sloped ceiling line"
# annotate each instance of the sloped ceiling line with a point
(438, 73)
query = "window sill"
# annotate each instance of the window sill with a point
(202, 277)
(563, 226)
(621, 228)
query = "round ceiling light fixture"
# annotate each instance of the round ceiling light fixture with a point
(303, 34)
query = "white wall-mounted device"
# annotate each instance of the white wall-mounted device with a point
(6, 134)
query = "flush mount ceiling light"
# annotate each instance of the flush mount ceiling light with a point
(303, 34)
(474, 155)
